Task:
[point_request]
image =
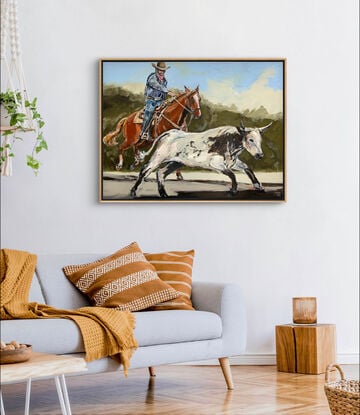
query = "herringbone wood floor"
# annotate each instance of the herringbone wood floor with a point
(181, 390)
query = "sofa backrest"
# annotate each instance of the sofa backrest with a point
(56, 289)
(36, 294)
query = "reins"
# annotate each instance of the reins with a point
(175, 99)
(168, 120)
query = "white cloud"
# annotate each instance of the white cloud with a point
(135, 87)
(259, 93)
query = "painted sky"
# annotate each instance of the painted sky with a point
(247, 85)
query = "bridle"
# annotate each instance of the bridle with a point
(185, 107)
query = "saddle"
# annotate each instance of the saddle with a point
(157, 115)
(139, 116)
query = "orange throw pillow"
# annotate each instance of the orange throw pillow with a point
(175, 268)
(124, 280)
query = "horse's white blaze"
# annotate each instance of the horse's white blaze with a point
(197, 102)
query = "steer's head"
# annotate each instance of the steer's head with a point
(252, 140)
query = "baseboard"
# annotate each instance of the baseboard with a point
(270, 360)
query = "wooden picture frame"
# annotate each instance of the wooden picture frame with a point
(218, 132)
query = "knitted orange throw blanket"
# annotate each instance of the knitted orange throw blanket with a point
(105, 331)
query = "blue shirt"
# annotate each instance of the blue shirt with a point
(155, 88)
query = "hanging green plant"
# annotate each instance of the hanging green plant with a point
(19, 121)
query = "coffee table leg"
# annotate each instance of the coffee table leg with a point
(27, 396)
(2, 404)
(65, 393)
(60, 395)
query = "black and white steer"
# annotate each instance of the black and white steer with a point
(216, 149)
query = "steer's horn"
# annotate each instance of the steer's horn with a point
(262, 129)
(243, 128)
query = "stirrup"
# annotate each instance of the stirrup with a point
(144, 137)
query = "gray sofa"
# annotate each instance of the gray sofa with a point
(217, 329)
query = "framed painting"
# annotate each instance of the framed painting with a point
(192, 130)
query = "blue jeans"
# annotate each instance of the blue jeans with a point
(150, 106)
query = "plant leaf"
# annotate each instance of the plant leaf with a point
(32, 162)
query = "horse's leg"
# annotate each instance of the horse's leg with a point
(122, 147)
(130, 133)
(120, 163)
(138, 159)
(162, 173)
(179, 176)
(137, 156)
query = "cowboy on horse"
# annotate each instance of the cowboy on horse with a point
(155, 94)
(171, 113)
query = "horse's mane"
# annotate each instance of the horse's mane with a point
(172, 100)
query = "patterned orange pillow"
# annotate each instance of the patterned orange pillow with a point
(124, 280)
(175, 268)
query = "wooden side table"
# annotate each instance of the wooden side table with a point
(39, 366)
(305, 348)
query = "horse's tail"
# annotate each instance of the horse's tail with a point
(109, 139)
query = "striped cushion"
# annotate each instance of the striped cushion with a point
(175, 268)
(124, 280)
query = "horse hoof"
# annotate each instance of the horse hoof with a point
(180, 177)
(163, 195)
(118, 167)
(133, 193)
(233, 192)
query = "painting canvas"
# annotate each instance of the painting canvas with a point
(192, 130)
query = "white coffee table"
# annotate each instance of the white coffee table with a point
(39, 366)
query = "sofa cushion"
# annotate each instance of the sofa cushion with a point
(124, 280)
(176, 326)
(152, 328)
(175, 268)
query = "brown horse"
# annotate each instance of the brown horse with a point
(171, 114)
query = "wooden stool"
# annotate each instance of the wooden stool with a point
(305, 348)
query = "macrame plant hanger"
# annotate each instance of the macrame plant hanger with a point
(12, 75)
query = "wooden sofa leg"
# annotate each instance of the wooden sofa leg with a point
(226, 369)
(152, 371)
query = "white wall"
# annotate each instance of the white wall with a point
(307, 246)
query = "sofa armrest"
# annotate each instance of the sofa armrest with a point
(227, 301)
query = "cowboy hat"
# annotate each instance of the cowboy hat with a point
(161, 66)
